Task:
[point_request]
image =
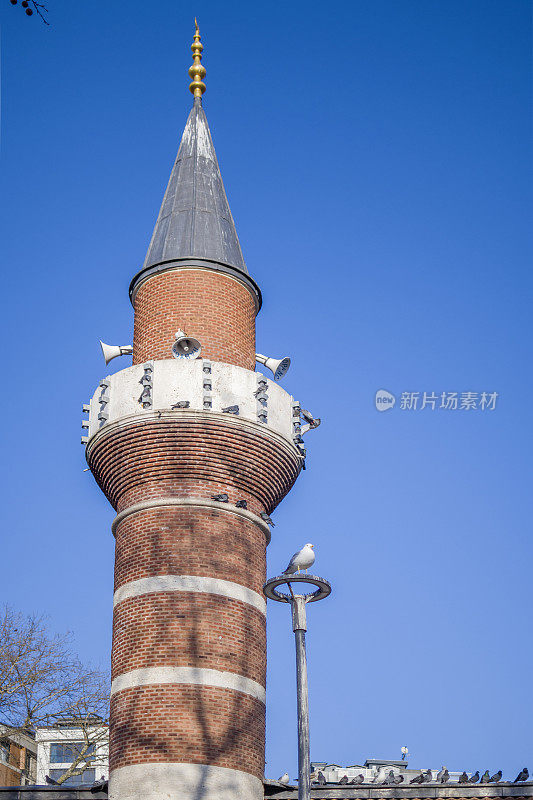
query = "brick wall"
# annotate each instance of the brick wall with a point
(10, 774)
(191, 724)
(210, 306)
(187, 541)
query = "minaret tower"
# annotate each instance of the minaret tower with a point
(190, 447)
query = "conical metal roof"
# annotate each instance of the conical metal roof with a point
(195, 226)
(195, 219)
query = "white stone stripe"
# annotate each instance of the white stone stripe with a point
(199, 676)
(190, 583)
(186, 781)
(198, 502)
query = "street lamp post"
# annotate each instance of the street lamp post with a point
(299, 625)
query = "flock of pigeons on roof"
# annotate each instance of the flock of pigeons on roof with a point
(426, 776)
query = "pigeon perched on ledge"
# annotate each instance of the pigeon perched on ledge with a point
(313, 422)
(358, 779)
(463, 777)
(474, 778)
(443, 776)
(485, 778)
(267, 519)
(424, 777)
(231, 410)
(321, 780)
(241, 504)
(496, 778)
(220, 498)
(343, 780)
(522, 776)
(284, 778)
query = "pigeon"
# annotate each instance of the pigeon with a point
(390, 776)
(443, 776)
(485, 778)
(303, 559)
(463, 777)
(522, 776)
(358, 779)
(381, 776)
(321, 780)
(230, 410)
(241, 504)
(181, 404)
(398, 778)
(50, 780)
(423, 777)
(284, 778)
(343, 780)
(99, 786)
(267, 519)
(220, 498)
(496, 777)
(261, 389)
(474, 778)
(313, 423)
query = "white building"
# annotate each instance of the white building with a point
(58, 746)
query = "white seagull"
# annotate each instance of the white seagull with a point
(303, 559)
(284, 778)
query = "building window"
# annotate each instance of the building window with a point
(28, 766)
(74, 780)
(4, 751)
(67, 752)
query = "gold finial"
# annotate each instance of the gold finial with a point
(197, 71)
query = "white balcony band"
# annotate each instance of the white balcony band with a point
(190, 583)
(198, 502)
(186, 781)
(198, 676)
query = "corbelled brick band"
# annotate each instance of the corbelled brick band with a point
(211, 306)
(210, 451)
(189, 633)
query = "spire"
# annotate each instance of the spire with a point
(195, 222)
(197, 71)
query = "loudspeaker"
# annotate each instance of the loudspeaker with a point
(186, 346)
(111, 351)
(278, 367)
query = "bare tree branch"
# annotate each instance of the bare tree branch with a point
(30, 5)
(43, 683)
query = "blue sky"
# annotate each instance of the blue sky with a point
(377, 159)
